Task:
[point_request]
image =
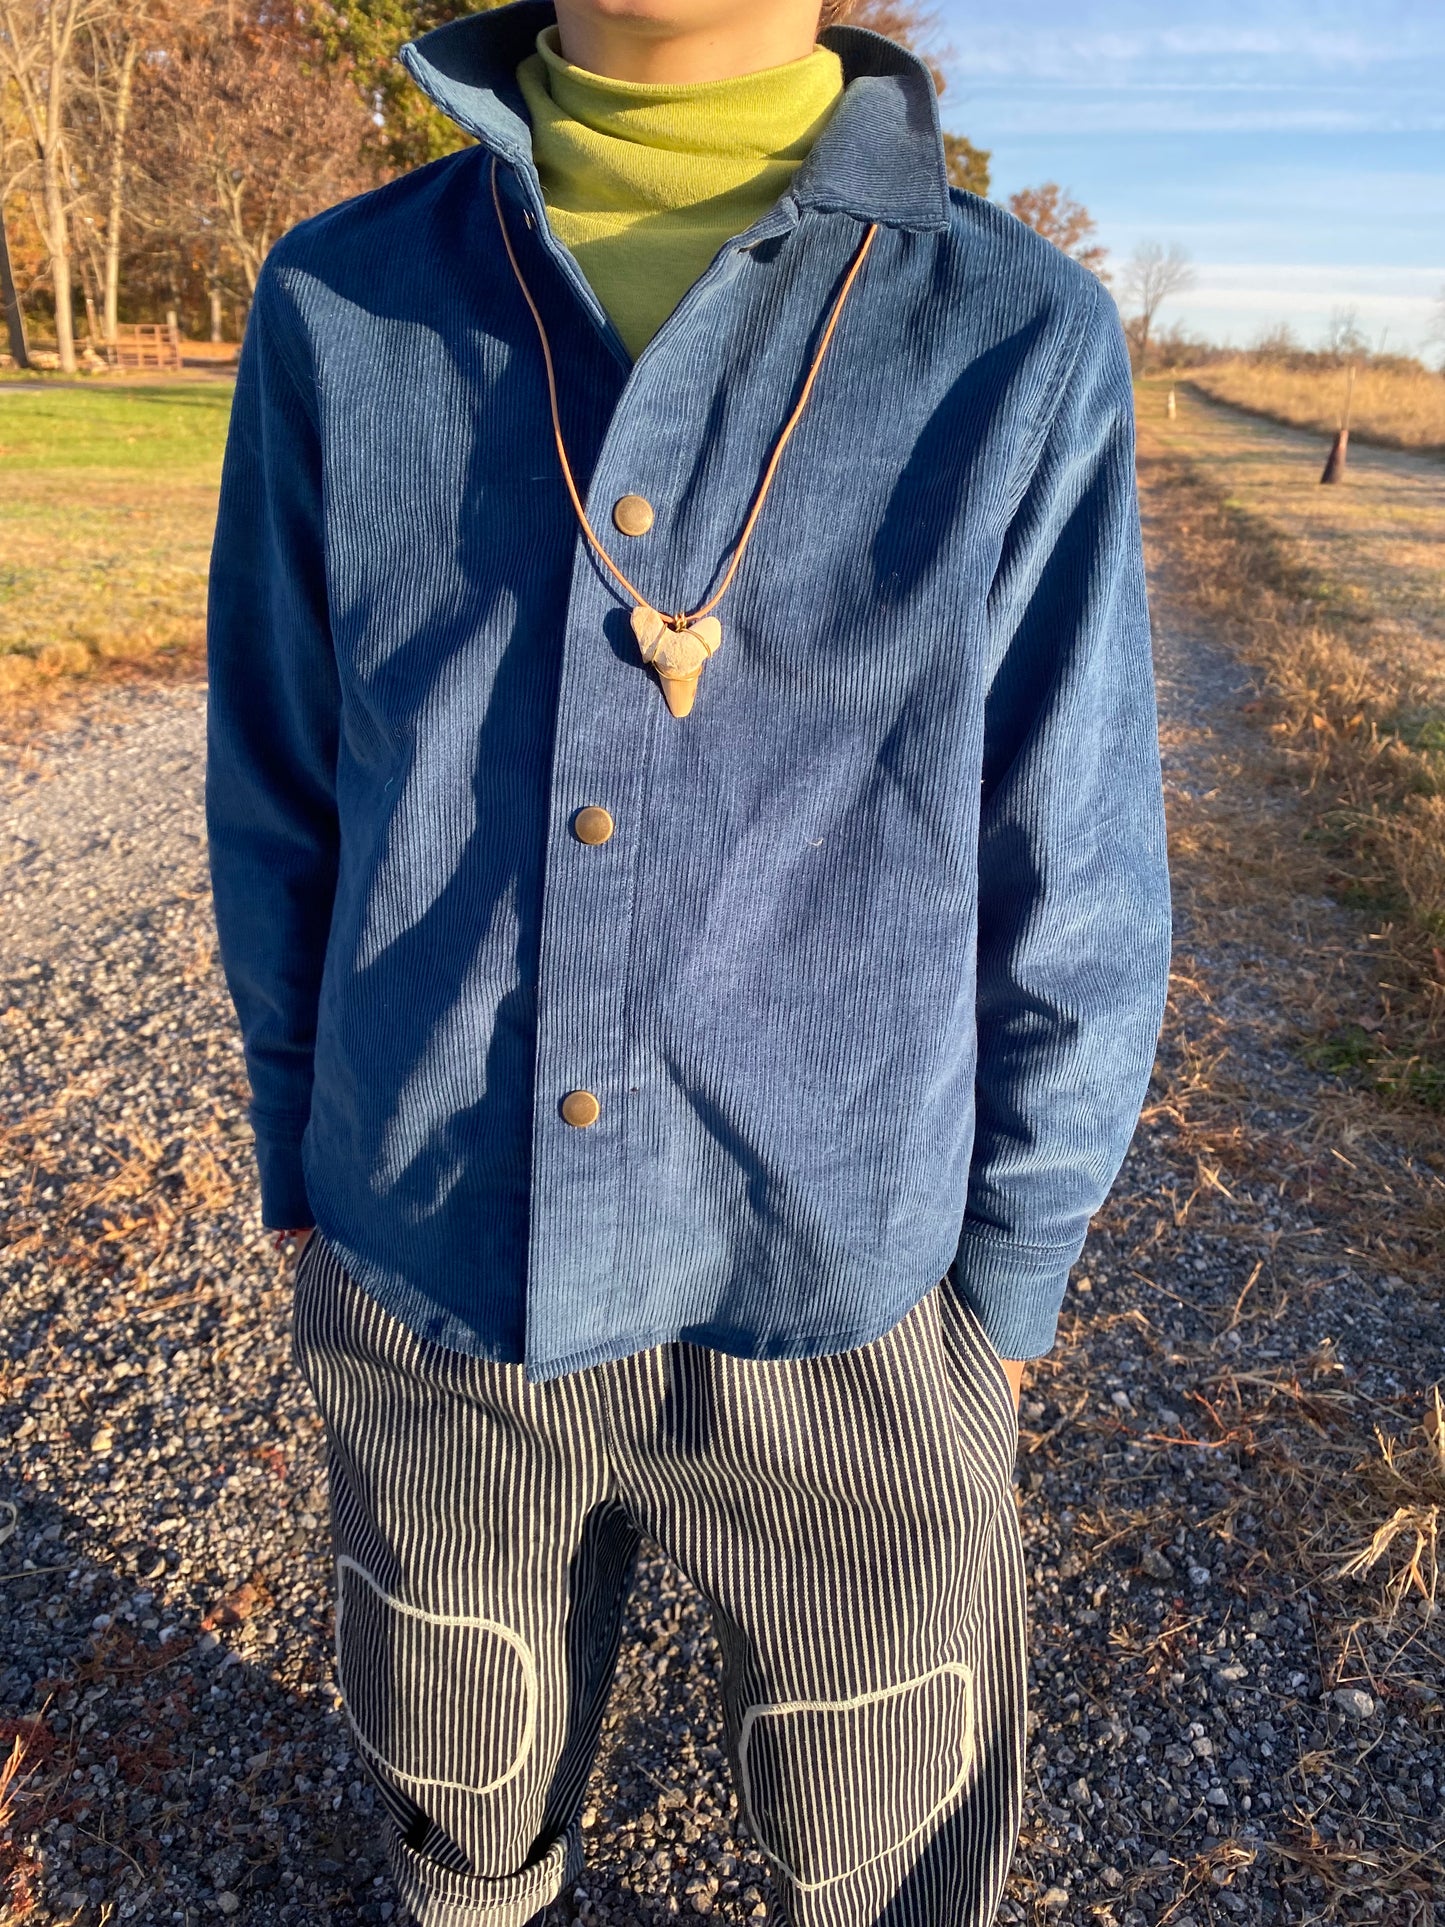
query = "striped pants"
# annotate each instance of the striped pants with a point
(850, 1520)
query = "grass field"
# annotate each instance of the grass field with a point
(107, 499)
(1390, 406)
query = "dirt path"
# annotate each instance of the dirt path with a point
(1220, 1731)
(1375, 539)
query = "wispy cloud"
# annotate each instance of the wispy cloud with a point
(1122, 43)
(1157, 106)
(1047, 53)
(1238, 300)
(1052, 36)
(1305, 132)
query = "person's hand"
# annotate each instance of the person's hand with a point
(1013, 1371)
(302, 1235)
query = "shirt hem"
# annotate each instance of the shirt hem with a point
(435, 1325)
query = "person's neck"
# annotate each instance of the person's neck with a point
(765, 36)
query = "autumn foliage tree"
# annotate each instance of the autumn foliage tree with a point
(38, 43)
(1050, 211)
(109, 51)
(365, 34)
(248, 128)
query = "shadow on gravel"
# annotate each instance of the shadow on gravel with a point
(178, 1751)
(165, 1761)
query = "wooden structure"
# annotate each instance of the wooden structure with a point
(144, 344)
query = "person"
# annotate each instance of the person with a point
(686, 832)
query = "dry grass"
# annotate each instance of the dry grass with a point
(1353, 1491)
(1333, 1493)
(1329, 1490)
(1341, 1489)
(41, 1782)
(1391, 406)
(19, 1867)
(1409, 1475)
(136, 1195)
(1359, 1491)
(95, 1191)
(1356, 710)
(130, 1201)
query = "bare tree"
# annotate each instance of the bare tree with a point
(115, 46)
(10, 301)
(16, 161)
(1055, 214)
(1276, 343)
(1152, 275)
(1345, 339)
(37, 56)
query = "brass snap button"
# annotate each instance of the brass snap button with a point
(592, 825)
(579, 1109)
(633, 515)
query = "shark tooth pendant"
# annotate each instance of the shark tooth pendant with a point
(678, 655)
(678, 649)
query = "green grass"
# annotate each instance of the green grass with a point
(142, 430)
(1353, 1055)
(107, 502)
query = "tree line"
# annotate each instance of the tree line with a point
(152, 151)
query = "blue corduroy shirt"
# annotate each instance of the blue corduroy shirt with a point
(868, 976)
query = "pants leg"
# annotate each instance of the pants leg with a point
(482, 1566)
(852, 1521)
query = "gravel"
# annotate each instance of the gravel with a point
(1205, 1744)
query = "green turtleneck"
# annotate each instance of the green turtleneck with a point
(645, 182)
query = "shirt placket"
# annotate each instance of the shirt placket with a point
(610, 713)
(610, 719)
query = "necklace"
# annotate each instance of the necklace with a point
(678, 647)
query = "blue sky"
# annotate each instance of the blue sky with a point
(1297, 152)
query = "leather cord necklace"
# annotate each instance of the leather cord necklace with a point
(678, 646)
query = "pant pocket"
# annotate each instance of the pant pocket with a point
(831, 1786)
(304, 1309)
(984, 1396)
(437, 1700)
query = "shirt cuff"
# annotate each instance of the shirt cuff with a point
(284, 1204)
(1014, 1290)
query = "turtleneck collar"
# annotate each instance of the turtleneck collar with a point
(775, 114)
(646, 182)
(879, 159)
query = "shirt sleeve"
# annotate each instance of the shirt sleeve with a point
(1074, 928)
(271, 739)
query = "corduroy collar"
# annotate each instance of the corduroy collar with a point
(879, 158)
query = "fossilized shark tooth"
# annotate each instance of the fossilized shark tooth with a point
(678, 655)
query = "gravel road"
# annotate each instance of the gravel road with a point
(1208, 1744)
